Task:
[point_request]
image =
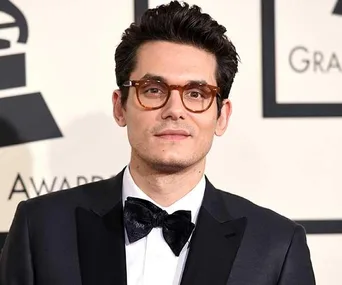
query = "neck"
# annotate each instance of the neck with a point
(162, 187)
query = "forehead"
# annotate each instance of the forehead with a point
(177, 63)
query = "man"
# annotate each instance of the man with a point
(160, 221)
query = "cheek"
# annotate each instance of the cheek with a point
(134, 132)
(207, 134)
(206, 126)
(138, 128)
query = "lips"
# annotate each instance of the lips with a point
(173, 134)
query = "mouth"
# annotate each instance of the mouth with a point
(173, 135)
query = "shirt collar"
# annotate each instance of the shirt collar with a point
(191, 201)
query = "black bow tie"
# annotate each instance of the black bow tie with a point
(141, 216)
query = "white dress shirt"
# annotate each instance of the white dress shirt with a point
(150, 261)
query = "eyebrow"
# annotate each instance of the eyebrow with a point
(163, 79)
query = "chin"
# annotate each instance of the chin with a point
(169, 165)
(168, 162)
(169, 168)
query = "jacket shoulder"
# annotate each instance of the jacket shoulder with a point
(68, 198)
(261, 218)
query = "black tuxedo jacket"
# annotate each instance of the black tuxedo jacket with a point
(76, 236)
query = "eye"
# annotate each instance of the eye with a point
(153, 90)
(195, 94)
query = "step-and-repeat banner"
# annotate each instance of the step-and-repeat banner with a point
(283, 146)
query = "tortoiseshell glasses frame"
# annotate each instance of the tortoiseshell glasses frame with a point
(154, 94)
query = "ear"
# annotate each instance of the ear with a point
(118, 109)
(222, 121)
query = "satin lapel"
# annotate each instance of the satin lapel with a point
(214, 243)
(101, 239)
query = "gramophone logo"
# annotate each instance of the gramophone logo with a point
(338, 8)
(24, 117)
(322, 62)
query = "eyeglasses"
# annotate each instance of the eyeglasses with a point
(154, 94)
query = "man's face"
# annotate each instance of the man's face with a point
(154, 135)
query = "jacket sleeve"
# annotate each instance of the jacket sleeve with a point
(297, 267)
(15, 258)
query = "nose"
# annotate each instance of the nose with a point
(174, 108)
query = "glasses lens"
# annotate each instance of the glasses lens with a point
(152, 93)
(197, 97)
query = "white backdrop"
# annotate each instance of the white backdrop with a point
(291, 165)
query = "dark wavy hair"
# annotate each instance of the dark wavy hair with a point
(178, 23)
